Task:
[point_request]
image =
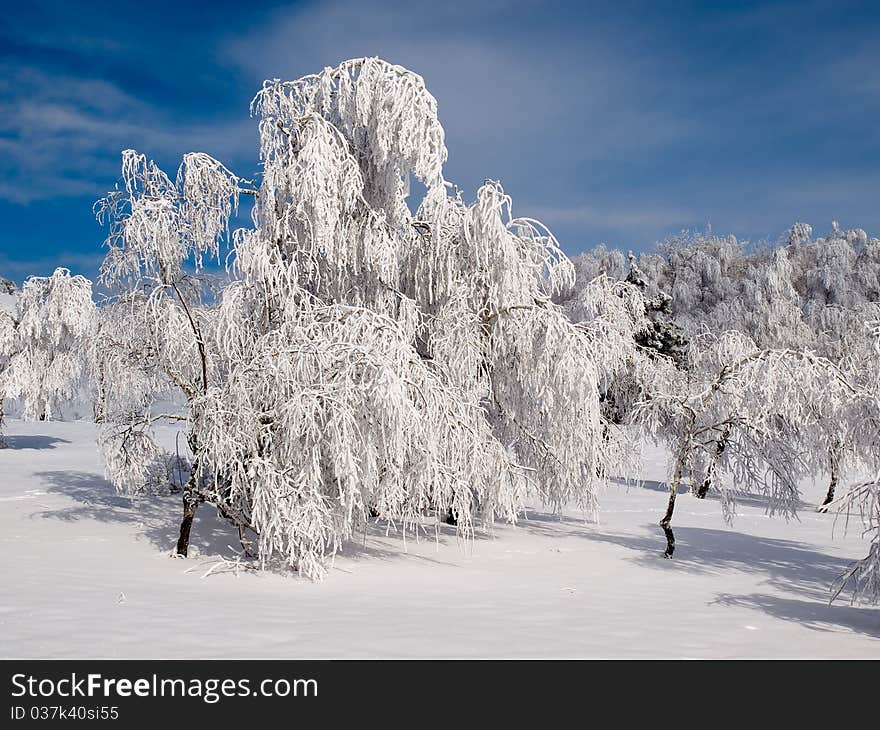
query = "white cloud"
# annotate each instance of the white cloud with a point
(61, 136)
(631, 219)
(19, 269)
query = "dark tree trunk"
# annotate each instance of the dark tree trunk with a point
(247, 546)
(834, 464)
(666, 522)
(606, 437)
(670, 537)
(189, 512)
(190, 505)
(711, 472)
(450, 518)
(705, 486)
(99, 409)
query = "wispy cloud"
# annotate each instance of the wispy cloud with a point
(62, 135)
(630, 219)
(17, 268)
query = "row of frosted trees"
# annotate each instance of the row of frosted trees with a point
(361, 359)
(804, 297)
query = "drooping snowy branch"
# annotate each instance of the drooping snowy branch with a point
(862, 579)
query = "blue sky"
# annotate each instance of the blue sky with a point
(615, 122)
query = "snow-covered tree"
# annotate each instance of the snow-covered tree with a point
(862, 499)
(765, 417)
(363, 359)
(615, 314)
(862, 579)
(702, 269)
(152, 341)
(660, 335)
(800, 310)
(824, 267)
(600, 261)
(51, 343)
(7, 345)
(8, 294)
(806, 294)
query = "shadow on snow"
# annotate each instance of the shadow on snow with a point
(791, 567)
(802, 574)
(157, 518)
(33, 442)
(751, 500)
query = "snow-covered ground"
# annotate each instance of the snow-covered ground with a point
(87, 573)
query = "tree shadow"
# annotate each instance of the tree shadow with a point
(816, 615)
(371, 542)
(713, 495)
(33, 442)
(803, 574)
(155, 517)
(797, 570)
(650, 484)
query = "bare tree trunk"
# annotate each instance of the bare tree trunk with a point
(247, 547)
(2, 440)
(834, 464)
(238, 521)
(190, 505)
(711, 473)
(666, 522)
(100, 407)
(606, 437)
(191, 501)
